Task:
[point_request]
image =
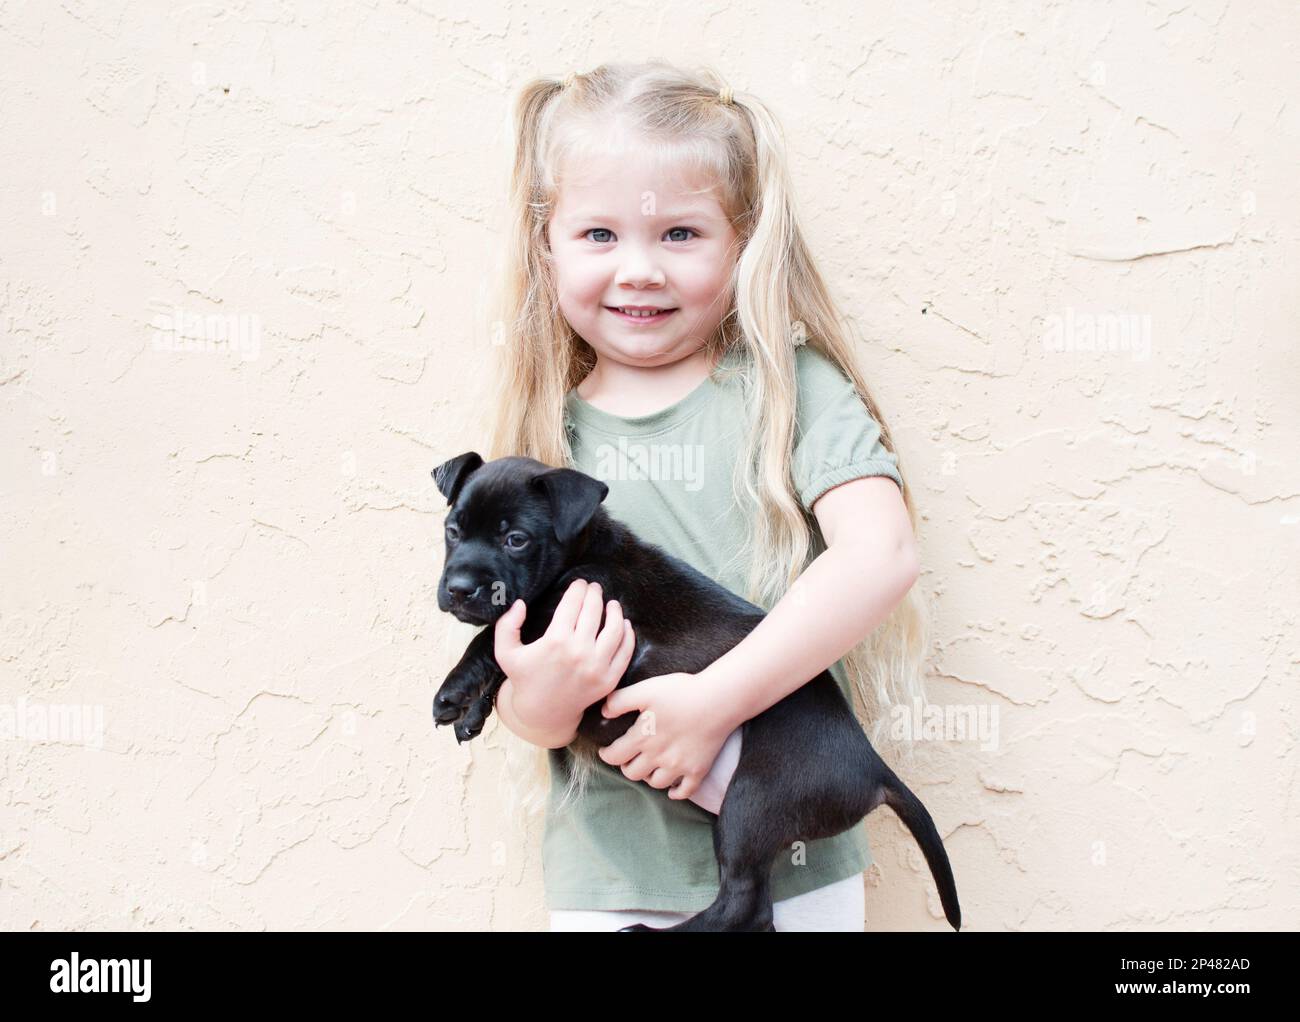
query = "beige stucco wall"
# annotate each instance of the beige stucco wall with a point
(228, 556)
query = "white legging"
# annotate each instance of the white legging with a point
(839, 907)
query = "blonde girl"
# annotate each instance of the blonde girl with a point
(667, 330)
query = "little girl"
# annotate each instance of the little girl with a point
(669, 334)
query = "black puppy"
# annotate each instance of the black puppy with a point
(519, 529)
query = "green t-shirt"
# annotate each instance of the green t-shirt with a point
(625, 844)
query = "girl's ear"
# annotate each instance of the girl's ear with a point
(574, 497)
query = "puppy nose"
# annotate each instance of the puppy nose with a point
(460, 587)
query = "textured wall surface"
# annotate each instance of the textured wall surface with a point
(241, 257)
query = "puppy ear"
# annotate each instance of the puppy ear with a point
(451, 475)
(574, 498)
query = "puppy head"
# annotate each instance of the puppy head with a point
(513, 527)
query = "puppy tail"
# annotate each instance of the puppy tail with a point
(917, 819)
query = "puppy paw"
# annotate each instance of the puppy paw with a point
(449, 706)
(456, 696)
(471, 724)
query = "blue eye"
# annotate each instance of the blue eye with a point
(605, 230)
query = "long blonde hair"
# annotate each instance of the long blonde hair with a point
(778, 299)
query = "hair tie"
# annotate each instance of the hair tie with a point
(724, 95)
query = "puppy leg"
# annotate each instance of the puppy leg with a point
(773, 803)
(746, 846)
(467, 696)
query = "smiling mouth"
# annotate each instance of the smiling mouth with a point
(656, 317)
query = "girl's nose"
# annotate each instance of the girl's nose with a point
(638, 269)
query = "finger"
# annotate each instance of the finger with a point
(662, 778)
(623, 655)
(589, 616)
(506, 634)
(566, 612)
(615, 706)
(611, 634)
(633, 699)
(628, 699)
(637, 768)
(618, 752)
(682, 788)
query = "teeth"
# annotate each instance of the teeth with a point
(634, 312)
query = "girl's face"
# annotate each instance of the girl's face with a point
(622, 234)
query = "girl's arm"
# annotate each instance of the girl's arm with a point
(869, 565)
(553, 739)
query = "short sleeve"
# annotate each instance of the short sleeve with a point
(836, 438)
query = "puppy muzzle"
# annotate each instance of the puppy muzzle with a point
(469, 599)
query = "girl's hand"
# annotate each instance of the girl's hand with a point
(676, 738)
(569, 667)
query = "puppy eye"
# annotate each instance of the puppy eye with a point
(453, 532)
(516, 541)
